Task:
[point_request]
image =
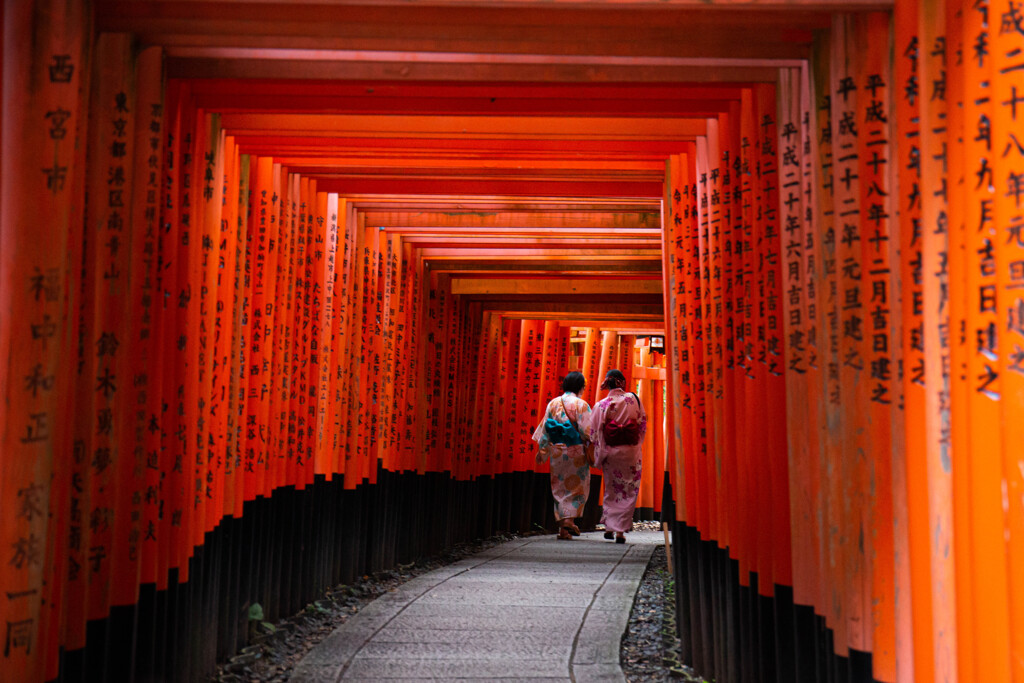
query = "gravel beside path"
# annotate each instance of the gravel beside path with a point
(650, 645)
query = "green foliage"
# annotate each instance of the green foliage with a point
(317, 607)
(255, 612)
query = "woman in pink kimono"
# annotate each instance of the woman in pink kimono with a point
(617, 427)
(561, 440)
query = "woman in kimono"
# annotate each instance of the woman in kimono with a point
(561, 441)
(617, 427)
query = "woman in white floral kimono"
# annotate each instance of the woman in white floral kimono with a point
(617, 428)
(561, 441)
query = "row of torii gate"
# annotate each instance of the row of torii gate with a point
(227, 345)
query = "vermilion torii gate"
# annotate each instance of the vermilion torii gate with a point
(285, 286)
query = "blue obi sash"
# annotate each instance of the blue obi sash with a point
(562, 432)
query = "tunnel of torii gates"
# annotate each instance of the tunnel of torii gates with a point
(285, 288)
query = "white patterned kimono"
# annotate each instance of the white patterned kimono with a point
(570, 472)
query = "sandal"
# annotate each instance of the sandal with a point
(609, 535)
(564, 535)
(573, 529)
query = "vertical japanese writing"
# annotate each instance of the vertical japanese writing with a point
(42, 115)
(143, 440)
(1006, 32)
(933, 62)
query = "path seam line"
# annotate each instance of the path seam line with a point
(348, 663)
(586, 613)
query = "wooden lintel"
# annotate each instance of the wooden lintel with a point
(277, 143)
(595, 189)
(546, 286)
(536, 203)
(650, 267)
(539, 253)
(640, 372)
(552, 240)
(246, 68)
(613, 310)
(459, 126)
(604, 222)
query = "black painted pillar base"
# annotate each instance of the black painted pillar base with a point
(285, 551)
(734, 634)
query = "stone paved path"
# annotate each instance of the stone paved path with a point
(530, 609)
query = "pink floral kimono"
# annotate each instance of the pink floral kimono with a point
(570, 473)
(620, 464)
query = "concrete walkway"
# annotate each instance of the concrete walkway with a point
(531, 609)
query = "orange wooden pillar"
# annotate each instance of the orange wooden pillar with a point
(195, 307)
(341, 345)
(437, 312)
(591, 359)
(303, 372)
(812, 593)
(731, 227)
(550, 380)
(852, 624)
(492, 394)
(256, 437)
(775, 359)
(403, 343)
(624, 357)
(760, 480)
(914, 652)
(708, 521)
(510, 353)
(325, 241)
(360, 351)
(688, 333)
(415, 387)
(464, 384)
(696, 333)
(606, 357)
(992, 590)
(657, 421)
(805, 365)
(751, 456)
(675, 224)
(957, 308)
(711, 257)
(109, 566)
(427, 312)
(44, 64)
(146, 331)
(645, 390)
(211, 408)
(375, 315)
(717, 327)
(934, 143)
(138, 506)
(877, 217)
(181, 477)
(448, 361)
(799, 359)
(240, 334)
(526, 417)
(279, 356)
(391, 360)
